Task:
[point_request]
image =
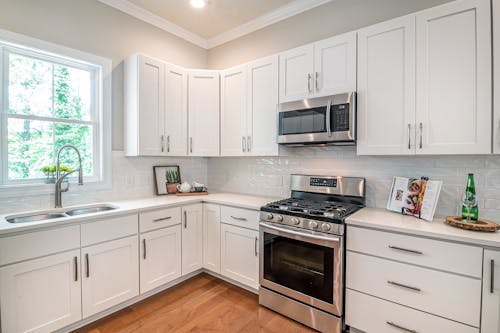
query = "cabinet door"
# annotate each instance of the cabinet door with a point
(262, 95)
(211, 237)
(160, 257)
(192, 238)
(203, 113)
(386, 88)
(233, 112)
(491, 293)
(110, 274)
(151, 101)
(454, 78)
(296, 74)
(335, 65)
(41, 295)
(496, 78)
(240, 257)
(175, 140)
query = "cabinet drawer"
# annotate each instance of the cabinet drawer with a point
(444, 294)
(159, 219)
(455, 258)
(373, 315)
(109, 229)
(38, 244)
(240, 217)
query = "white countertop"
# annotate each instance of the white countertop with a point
(382, 219)
(135, 206)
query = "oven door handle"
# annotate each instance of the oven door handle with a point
(287, 230)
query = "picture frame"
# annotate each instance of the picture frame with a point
(167, 177)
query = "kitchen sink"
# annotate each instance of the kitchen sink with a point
(89, 210)
(34, 217)
(44, 216)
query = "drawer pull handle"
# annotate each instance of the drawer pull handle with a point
(162, 219)
(87, 265)
(405, 250)
(238, 218)
(390, 323)
(75, 261)
(404, 286)
(492, 276)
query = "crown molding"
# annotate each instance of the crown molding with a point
(279, 14)
(158, 21)
(282, 13)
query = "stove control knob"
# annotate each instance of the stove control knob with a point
(326, 227)
(295, 221)
(313, 224)
(270, 216)
(279, 218)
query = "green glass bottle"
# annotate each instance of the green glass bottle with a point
(470, 198)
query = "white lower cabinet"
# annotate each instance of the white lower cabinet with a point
(490, 322)
(211, 237)
(110, 274)
(240, 254)
(160, 257)
(192, 238)
(41, 295)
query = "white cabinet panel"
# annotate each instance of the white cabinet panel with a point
(108, 229)
(192, 238)
(203, 110)
(110, 274)
(234, 111)
(296, 74)
(490, 321)
(386, 88)
(175, 137)
(159, 218)
(160, 257)
(454, 78)
(239, 255)
(41, 295)
(211, 237)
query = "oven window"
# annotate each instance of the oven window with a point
(302, 121)
(300, 266)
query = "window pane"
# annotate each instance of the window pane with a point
(79, 136)
(30, 147)
(71, 93)
(30, 86)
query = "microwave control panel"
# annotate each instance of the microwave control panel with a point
(340, 117)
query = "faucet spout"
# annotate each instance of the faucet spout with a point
(60, 178)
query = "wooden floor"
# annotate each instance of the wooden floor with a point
(200, 304)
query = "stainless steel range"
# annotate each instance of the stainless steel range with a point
(302, 249)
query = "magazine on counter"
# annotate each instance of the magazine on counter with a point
(413, 196)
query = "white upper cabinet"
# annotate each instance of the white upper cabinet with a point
(144, 105)
(175, 137)
(203, 110)
(491, 292)
(386, 88)
(454, 79)
(233, 111)
(496, 78)
(323, 68)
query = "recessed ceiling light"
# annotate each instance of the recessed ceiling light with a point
(198, 3)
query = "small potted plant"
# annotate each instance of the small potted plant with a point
(50, 172)
(172, 177)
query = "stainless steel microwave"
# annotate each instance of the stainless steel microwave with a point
(329, 120)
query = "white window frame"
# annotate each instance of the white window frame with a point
(100, 105)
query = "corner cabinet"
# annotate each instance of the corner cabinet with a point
(203, 120)
(211, 237)
(192, 238)
(491, 292)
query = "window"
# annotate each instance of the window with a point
(50, 100)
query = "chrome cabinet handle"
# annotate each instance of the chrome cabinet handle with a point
(168, 143)
(162, 143)
(309, 79)
(162, 219)
(243, 143)
(75, 262)
(316, 79)
(421, 135)
(249, 144)
(492, 276)
(390, 323)
(255, 246)
(87, 265)
(409, 136)
(238, 218)
(405, 250)
(185, 220)
(190, 144)
(144, 247)
(329, 118)
(397, 284)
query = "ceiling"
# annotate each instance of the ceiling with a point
(217, 16)
(219, 22)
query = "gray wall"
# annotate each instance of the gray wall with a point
(93, 27)
(325, 21)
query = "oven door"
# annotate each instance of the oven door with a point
(304, 265)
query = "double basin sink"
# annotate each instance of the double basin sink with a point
(44, 216)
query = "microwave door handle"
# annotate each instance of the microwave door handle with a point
(329, 118)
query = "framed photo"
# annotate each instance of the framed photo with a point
(166, 179)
